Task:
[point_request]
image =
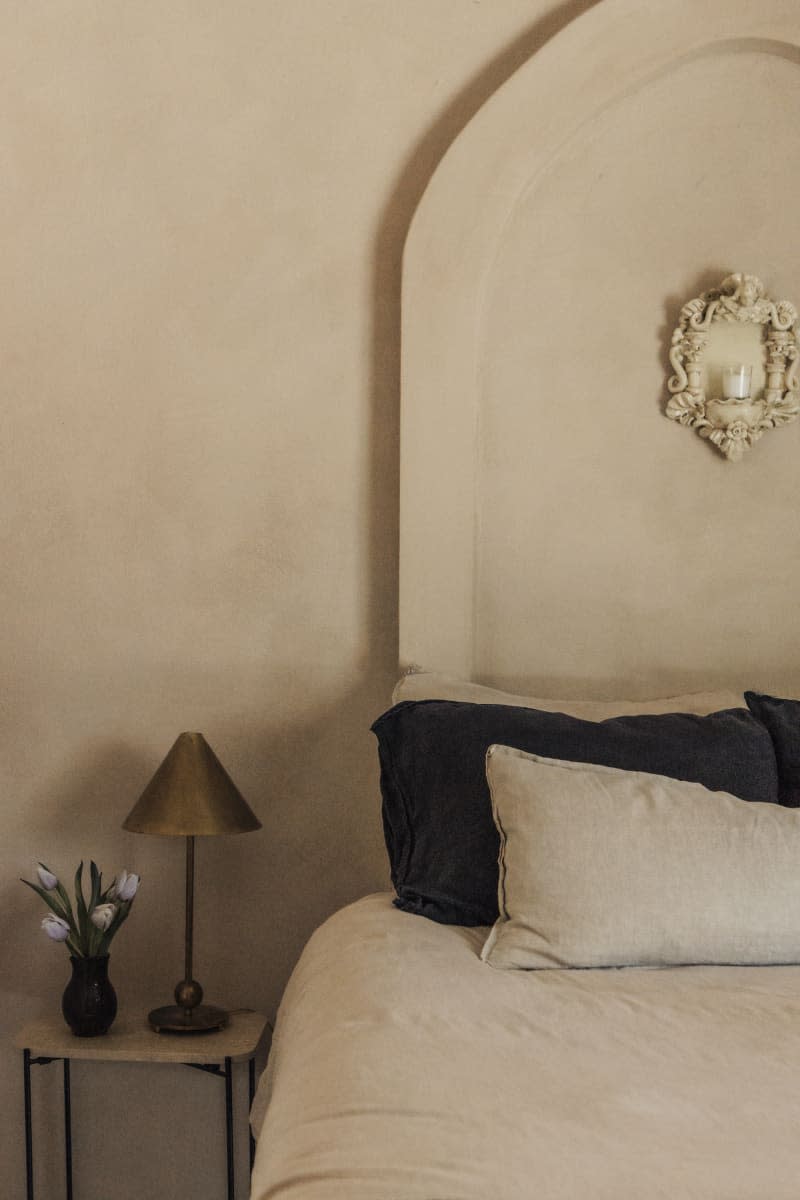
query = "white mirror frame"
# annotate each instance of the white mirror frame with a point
(734, 424)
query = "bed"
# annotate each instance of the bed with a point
(585, 983)
(405, 1067)
(422, 1055)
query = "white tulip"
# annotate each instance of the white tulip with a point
(102, 916)
(126, 887)
(46, 878)
(55, 928)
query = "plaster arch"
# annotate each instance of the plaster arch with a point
(604, 56)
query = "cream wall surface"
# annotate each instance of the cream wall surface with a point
(577, 544)
(202, 216)
(688, 562)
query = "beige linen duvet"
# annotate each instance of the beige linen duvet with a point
(404, 1068)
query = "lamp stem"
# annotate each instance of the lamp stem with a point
(189, 907)
(188, 1015)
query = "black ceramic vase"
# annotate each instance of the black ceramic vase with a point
(89, 1003)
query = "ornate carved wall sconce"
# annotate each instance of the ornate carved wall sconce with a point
(735, 359)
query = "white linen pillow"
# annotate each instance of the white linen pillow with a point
(430, 685)
(601, 867)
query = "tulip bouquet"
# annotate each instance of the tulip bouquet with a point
(89, 929)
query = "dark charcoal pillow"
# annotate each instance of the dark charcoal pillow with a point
(782, 719)
(437, 816)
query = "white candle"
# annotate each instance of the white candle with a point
(736, 379)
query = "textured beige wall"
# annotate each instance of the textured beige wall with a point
(202, 214)
(619, 552)
(577, 542)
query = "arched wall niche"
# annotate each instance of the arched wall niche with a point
(496, 580)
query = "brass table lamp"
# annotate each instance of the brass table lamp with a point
(191, 795)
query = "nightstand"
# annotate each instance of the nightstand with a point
(132, 1040)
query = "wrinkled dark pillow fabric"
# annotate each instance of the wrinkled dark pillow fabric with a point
(782, 719)
(437, 818)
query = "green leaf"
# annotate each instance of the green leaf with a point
(96, 884)
(51, 903)
(61, 891)
(85, 926)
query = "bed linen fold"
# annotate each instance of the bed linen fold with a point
(404, 1068)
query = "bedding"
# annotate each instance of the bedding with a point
(604, 868)
(438, 826)
(404, 1068)
(433, 685)
(782, 719)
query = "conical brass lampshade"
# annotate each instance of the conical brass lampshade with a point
(191, 795)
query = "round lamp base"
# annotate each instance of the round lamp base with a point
(203, 1019)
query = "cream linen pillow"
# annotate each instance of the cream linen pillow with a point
(601, 867)
(430, 685)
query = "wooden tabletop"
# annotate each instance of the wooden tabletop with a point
(131, 1039)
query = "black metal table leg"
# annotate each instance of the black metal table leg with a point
(67, 1128)
(251, 1091)
(223, 1068)
(26, 1067)
(229, 1126)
